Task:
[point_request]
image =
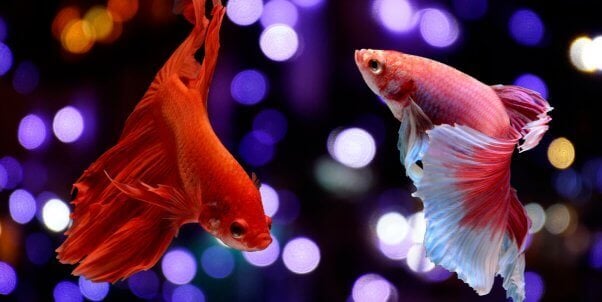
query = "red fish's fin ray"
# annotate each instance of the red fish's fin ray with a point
(527, 111)
(413, 140)
(475, 223)
(186, 8)
(212, 45)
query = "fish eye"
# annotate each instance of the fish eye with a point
(238, 228)
(375, 66)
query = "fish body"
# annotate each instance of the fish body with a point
(464, 133)
(167, 169)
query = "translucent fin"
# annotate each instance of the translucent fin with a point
(413, 140)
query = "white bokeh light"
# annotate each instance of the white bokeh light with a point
(417, 260)
(301, 255)
(537, 215)
(438, 28)
(264, 257)
(179, 266)
(269, 199)
(68, 124)
(371, 288)
(417, 227)
(580, 47)
(353, 147)
(279, 42)
(244, 12)
(395, 15)
(392, 228)
(55, 214)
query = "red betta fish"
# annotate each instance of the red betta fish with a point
(464, 133)
(167, 169)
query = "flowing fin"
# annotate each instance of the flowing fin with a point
(527, 111)
(475, 224)
(413, 140)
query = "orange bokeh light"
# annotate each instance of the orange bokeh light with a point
(66, 15)
(78, 37)
(123, 10)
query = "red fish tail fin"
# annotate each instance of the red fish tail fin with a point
(527, 111)
(475, 224)
(212, 46)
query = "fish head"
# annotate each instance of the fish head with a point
(387, 73)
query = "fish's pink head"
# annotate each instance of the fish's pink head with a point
(387, 73)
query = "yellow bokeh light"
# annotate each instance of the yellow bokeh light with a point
(579, 54)
(558, 218)
(561, 153)
(101, 21)
(78, 37)
(123, 10)
(63, 17)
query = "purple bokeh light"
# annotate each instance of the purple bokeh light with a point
(32, 132)
(272, 122)
(8, 278)
(470, 9)
(244, 12)
(26, 78)
(217, 262)
(179, 266)
(301, 255)
(255, 148)
(6, 59)
(67, 291)
(279, 42)
(307, 3)
(14, 172)
(533, 82)
(288, 209)
(38, 248)
(68, 124)
(592, 171)
(438, 274)
(595, 254)
(396, 251)
(144, 284)
(187, 293)
(3, 177)
(526, 27)
(279, 11)
(264, 257)
(395, 15)
(95, 291)
(568, 183)
(371, 287)
(3, 30)
(438, 28)
(22, 206)
(249, 87)
(534, 287)
(269, 199)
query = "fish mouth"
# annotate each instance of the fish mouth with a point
(359, 55)
(261, 242)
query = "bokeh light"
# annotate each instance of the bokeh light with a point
(55, 214)
(3, 30)
(68, 124)
(6, 59)
(558, 218)
(307, 3)
(67, 291)
(122, 10)
(537, 215)
(101, 21)
(256, 149)
(439, 28)
(269, 199)
(592, 171)
(78, 37)
(179, 266)
(279, 11)
(526, 27)
(417, 227)
(395, 15)
(14, 172)
(561, 153)
(32, 132)
(144, 284)
(66, 15)
(244, 12)
(8, 278)
(470, 9)
(340, 179)
(392, 228)
(187, 293)
(581, 54)
(568, 183)
(353, 147)
(249, 87)
(22, 206)
(301, 255)
(264, 257)
(94, 291)
(533, 82)
(271, 122)
(592, 55)
(371, 288)
(534, 287)
(397, 251)
(417, 260)
(279, 42)
(437, 274)
(217, 262)
(3, 177)
(38, 248)
(26, 78)
(595, 255)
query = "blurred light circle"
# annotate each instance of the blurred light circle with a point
(279, 11)
(301, 255)
(179, 266)
(264, 257)
(340, 179)
(592, 55)
(595, 256)
(77, 37)
(217, 262)
(581, 54)
(249, 87)
(592, 171)
(255, 148)
(537, 215)
(438, 28)
(26, 77)
(397, 251)
(394, 15)
(558, 218)
(470, 9)
(534, 287)
(417, 260)
(66, 15)
(14, 172)
(187, 293)
(568, 183)
(55, 214)
(526, 27)
(371, 288)
(437, 274)
(533, 82)
(144, 284)
(94, 291)
(6, 59)
(271, 122)
(38, 248)
(3, 177)
(279, 42)
(561, 153)
(353, 147)
(244, 12)
(32, 132)
(101, 21)
(67, 291)
(269, 199)
(122, 10)
(22, 206)
(68, 124)
(307, 3)
(3, 30)
(8, 278)
(417, 227)
(392, 228)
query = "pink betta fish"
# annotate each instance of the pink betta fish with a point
(464, 133)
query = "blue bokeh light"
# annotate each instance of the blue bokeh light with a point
(32, 132)
(470, 9)
(144, 284)
(534, 287)
(95, 291)
(67, 291)
(217, 262)
(6, 59)
(568, 183)
(256, 148)
(533, 82)
(3, 30)
(179, 266)
(8, 278)
(14, 172)
(3, 177)
(249, 87)
(38, 248)
(26, 77)
(595, 254)
(271, 122)
(526, 27)
(187, 293)
(22, 206)
(307, 3)
(279, 11)
(592, 171)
